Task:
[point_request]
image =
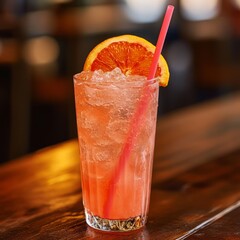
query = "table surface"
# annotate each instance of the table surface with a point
(195, 188)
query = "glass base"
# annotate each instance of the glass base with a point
(109, 225)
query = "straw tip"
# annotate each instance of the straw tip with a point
(170, 7)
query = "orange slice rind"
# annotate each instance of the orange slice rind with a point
(132, 54)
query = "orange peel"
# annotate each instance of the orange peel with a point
(132, 54)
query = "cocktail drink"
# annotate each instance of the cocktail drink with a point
(105, 108)
(116, 98)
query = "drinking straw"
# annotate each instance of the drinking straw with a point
(160, 41)
(141, 109)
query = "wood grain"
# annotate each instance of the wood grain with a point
(196, 135)
(195, 180)
(190, 199)
(229, 224)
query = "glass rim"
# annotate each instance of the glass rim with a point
(77, 81)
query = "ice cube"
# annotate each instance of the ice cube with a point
(112, 76)
(84, 76)
(92, 128)
(98, 76)
(101, 95)
(88, 119)
(117, 130)
(101, 154)
(138, 80)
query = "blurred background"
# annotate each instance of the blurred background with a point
(44, 42)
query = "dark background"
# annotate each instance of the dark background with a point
(43, 43)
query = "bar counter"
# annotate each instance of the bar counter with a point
(195, 185)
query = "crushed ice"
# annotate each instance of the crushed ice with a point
(115, 75)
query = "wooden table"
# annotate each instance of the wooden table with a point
(195, 189)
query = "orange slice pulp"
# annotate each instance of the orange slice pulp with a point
(132, 54)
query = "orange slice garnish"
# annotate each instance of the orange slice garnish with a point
(132, 54)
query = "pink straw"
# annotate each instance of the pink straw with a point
(141, 109)
(160, 41)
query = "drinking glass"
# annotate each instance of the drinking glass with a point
(116, 183)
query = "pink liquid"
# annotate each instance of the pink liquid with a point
(104, 114)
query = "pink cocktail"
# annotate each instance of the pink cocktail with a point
(105, 108)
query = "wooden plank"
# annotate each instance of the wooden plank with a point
(195, 135)
(227, 227)
(183, 203)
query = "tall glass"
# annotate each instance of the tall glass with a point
(105, 113)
